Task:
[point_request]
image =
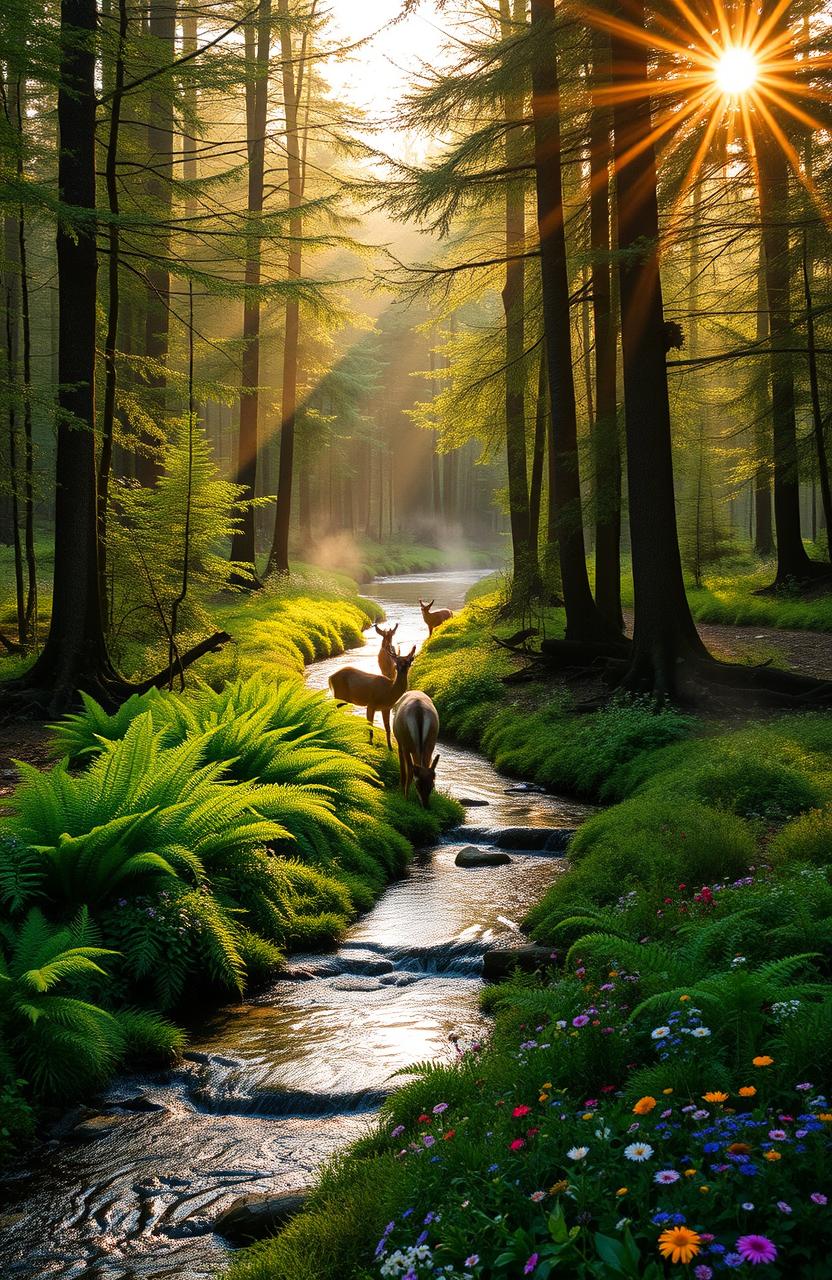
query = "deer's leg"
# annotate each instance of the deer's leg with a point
(403, 771)
(371, 715)
(385, 715)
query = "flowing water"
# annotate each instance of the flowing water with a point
(272, 1087)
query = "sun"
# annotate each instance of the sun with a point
(736, 71)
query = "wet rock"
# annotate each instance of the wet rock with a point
(471, 856)
(259, 1214)
(141, 1103)
(525, 789)
(355, 982)
(191, 1055)
(534, 839)
(468, 802)
(499, 964)
(95, 1127)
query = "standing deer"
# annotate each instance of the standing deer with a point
(434, 617)
(386, 653)
(376, 693)
(416, 726)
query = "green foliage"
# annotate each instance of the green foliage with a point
(808, 839)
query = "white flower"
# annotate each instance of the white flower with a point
(660, 1032)
(699, 1033)
(622, 1223)
(604, 1134)
(666, 1176)
(578, 1153)
(561, 1024)
(638, 1151)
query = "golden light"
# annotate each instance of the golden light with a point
(736, 71)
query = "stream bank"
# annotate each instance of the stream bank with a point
(274, 1086)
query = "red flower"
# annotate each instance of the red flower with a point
(423, 1119)
(521, 1111)
(531, 1132)
(516, 1144)
(449, 1135)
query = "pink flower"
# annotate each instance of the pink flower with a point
(580, 1021)
(756, 1249)
(520, 1111)
(817, 1197)
(516, 1144)
(778, 1135)
(531, 1264)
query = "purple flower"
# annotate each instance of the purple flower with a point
(580, 1021)
(783, 1207)
(703, 1272)
(732, 1260)
(439, 1108)
(817, 1197)
(472, 1260)
(756, 1249)
(397, 1132)
(530, 1264)
(804, 1087)
(428, 1139)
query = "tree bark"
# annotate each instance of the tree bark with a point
(257, 99)
(817, 413)
(763, 531)
(583, 620)
(538, 452)
(665, 634)
(607, 448)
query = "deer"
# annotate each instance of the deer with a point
(376, 693)
(416, 726)
(434, 617)
(386, 653)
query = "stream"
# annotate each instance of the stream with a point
(272, 1087)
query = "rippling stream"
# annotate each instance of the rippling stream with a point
(272, 1087)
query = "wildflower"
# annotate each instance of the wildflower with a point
(747, 1091)
(679, 1244)
(804, 1087)
(756, 1249)
(518, 1112)
(783, 1207)
(428, 1139)
(537, 1196)
(748, 1206)
(397, 1132)
(778, 1135)
(557, 1187)
(666, 1177)
(644, 1105)
(817, 1197)
(530, 1264)
(715, 1096)
(580, 1021)
(699, 1033)
(516, 1144)
(702, 1272)
(622, 1191)
(739, 1149)
(704, 1189)
(424, 1119)
(472, 1260)
(684, 998)
(587, 1115)
(638, 1151)
(762, 1060)
(690, 1173)
(449, 1136)
(699, 1114)
(439, 1108)
(825, 1116)
(578, 1153)
(659, 1033)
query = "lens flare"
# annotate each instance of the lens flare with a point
(736, 71)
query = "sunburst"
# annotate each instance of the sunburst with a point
(744, 70)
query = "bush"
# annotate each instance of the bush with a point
(808, 839)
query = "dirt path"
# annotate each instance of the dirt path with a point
(809, 652)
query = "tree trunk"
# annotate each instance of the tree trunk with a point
(75, 654)
(162, 27)
(583, 620)
(257, 99)
(607, 448)
(665, 634)
(817, 413)
(763, 532)
(793, 563)
(525, 570)
(538, 452)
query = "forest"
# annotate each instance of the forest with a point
(464, 363)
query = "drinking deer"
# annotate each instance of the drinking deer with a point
(376, 693)
(386, 653)
(434, 617)
(416, 726)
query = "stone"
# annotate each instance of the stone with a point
(468, 802)
(143, 1102)
(471, 856)
(95, 1127)
(259, 1214)
(502, 962)
(534, 839)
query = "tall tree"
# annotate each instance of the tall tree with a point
(583, 620)
(664, 635)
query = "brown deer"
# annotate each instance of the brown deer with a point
(434, 617)
(386, 653)
(416, 726)
(376, 693)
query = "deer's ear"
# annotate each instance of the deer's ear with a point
(395, 629)
(435, 762)
(375, 624)
(432, 603)
(412, 653)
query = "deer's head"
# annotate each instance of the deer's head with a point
(404, 661)
(426, 608)
(386, 635)
(424, 779)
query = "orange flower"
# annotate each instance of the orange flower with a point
(684, 997)
(825, 1116)
(622, 1191)
(739, 1149)
(690, 1173)
(449, 1135)
(763, 1060)
(644, 1105)
(715, 1096)
(679, 1244)
(557, 1187)
(773, 1155)
(747, 1091)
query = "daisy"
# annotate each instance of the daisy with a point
(537, 1196)
(638, 1151)
(679, 1244)
(472, 1260)
(660, 1032)
(699, 1033)
(667, 1176)
(578, 1153)
(644, 1105)
(756, 1249)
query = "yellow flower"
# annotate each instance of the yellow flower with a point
(704, 1190)
(622, 1191)
(763, 1060)
(557, 1187)
(747, 1091)
(547, 1084)
(544, 1097)
(679, 1244)
(644, 1105)
(715, 1096)
(773, 1155)
(613, 973)
(684, 997)
(667, 1090)
(587, 1115)
(690, 1173)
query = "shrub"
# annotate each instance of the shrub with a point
(807, 839)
